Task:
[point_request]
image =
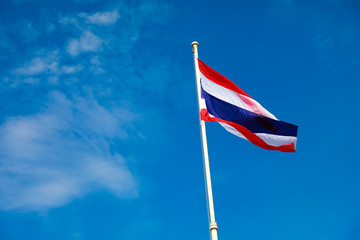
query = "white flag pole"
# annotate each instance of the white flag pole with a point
(209, 196)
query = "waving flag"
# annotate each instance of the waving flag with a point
(224, 102)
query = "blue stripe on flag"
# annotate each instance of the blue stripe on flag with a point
(254, 122)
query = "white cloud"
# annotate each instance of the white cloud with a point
(88, 42)
(39, 65)
(102, 18)
(96, 65)
(71, 69)
(73, 47)
(32, 80)
(63, 153)
(81, 32)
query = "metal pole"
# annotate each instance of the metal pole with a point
(209, 196)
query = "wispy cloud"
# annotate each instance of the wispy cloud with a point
(96, 65)
(38, 65)
(62, 153)
(88, 42)
(46, 64)
(71, 69)
(65, 151)
(102, 18)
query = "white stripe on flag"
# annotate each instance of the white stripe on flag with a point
(233, 98)
(202, 104)
(232, 130)
(276, 140)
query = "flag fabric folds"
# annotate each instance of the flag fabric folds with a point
(224, 102)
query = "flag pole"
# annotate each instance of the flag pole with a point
(209, 196)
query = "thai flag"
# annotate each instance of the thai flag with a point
(224, 102)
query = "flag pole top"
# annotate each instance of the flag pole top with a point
(195, 43)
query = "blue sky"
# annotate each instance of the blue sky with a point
(99, 133)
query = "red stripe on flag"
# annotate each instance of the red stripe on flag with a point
(219, 79)
(204, 114)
